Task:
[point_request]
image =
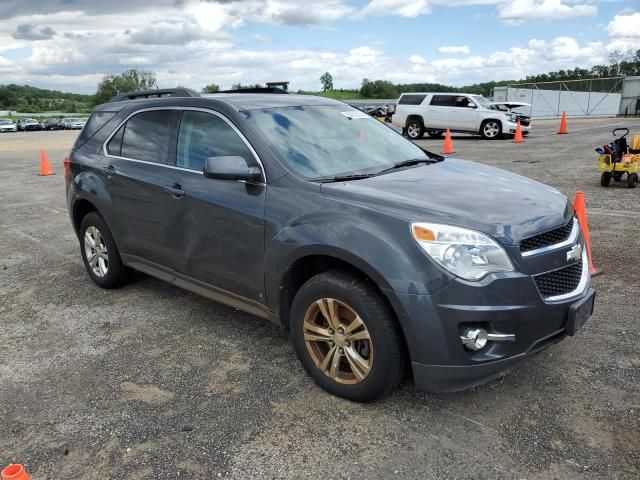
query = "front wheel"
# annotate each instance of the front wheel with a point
(491, 129)
(605, 179)
(346, 337)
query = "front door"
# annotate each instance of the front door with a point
(136, 174)
(215, 227)
(464, 114)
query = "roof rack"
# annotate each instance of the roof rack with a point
(160, 92)
(255, 90)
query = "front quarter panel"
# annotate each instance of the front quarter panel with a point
(377, 243)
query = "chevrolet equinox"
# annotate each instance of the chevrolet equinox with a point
(376, 255)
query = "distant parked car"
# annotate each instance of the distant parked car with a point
(53, 124)
(7, 126)
(73, 124)
(433, 113)
(28, 124)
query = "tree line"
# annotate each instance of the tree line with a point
(23, 98)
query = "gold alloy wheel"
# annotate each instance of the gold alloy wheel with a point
(338, 341)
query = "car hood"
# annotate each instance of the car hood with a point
(511, 105)
(457, 192)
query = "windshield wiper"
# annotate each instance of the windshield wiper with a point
(408, 163)
(343, 178)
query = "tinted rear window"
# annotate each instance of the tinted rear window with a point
(146, 136)
(443, 100)
(411, 99)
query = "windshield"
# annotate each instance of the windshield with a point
(322, 142)
(482, 101)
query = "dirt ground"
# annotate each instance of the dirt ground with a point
(150, 381)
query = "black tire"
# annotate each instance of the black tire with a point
(605, 179)
(116, 273)
(386, 355)
(491, 129)
(632, 180)
(435, 133)
(415, 129)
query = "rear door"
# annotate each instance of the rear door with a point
(216, 227)
(136, 177)
(439, 112)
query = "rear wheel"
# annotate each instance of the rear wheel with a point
(605, 179)
(415, 129)
(100, 254)
(632, 180)
(346, 337)
(491, 129)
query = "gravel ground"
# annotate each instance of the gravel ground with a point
(150, 381)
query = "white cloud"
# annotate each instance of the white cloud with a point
(518, 11)
(452, 49)
(624, 31)
(417, 59)
(404, 8)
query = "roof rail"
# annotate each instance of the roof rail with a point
(160, 92)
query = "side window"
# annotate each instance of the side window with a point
(146, 136)
(114, 147)
(443, 100)
(411, 99)
(464, 102)
(203, 135)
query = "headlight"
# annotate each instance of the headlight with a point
(512, 117)
(466, 253)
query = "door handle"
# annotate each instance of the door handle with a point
(175, 190)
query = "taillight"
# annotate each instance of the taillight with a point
(67, 166)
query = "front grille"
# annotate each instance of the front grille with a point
(559, 282)
(525, 123)
(545, 239)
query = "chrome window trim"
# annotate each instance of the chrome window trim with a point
(571, 239)
(177, 107)
(582, 285)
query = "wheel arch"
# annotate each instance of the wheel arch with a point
(413, 117)
(312, 264)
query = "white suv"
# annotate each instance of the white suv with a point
(433, 113)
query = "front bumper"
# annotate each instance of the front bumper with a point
(500, 304)
(510, 127)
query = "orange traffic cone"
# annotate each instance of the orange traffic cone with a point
(563, 124)
(517, 138)
(448, 144)
(15, 471)
(581, 212)
(45, 166)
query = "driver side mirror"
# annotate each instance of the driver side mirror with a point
(231, 167)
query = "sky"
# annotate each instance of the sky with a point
(71, 44)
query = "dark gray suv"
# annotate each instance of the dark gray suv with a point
(376, 255)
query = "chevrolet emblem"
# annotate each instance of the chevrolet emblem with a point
(575, 254)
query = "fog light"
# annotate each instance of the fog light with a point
(474, 338)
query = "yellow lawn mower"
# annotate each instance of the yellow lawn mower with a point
(618, 157)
